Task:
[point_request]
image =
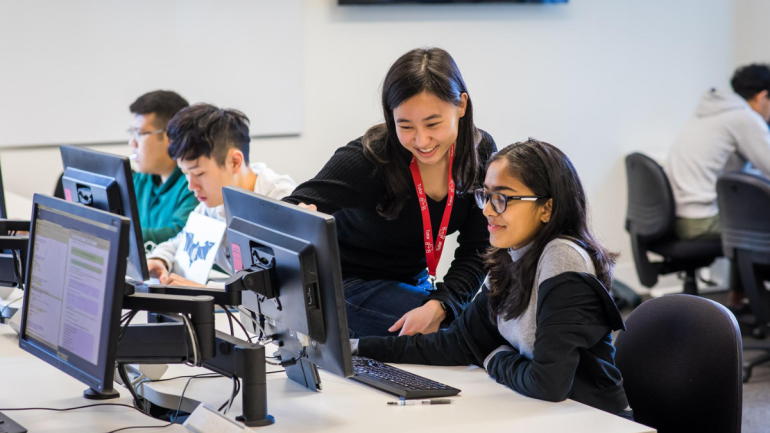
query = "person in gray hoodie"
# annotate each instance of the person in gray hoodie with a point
(727, 131)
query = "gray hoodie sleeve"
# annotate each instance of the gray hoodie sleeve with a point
(752, 136)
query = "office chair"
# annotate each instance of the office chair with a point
(58, 191)
(680, 358)
(650, 220)
(744, 203)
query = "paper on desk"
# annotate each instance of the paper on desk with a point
(201, 237)
(205, 419)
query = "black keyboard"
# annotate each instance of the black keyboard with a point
(8, 425)
(396, 381)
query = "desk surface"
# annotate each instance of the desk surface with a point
(343, 405)
(26, 381)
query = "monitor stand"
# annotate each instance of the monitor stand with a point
(303, 372)
(7, 425)
(107, 394)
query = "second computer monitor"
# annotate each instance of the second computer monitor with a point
(75, 282)
(310, 302)
(104, 181)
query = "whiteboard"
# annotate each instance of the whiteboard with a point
(70, 69)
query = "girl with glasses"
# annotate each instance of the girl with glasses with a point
(398, 191)
(542, 322)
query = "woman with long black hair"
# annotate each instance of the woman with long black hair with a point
(542, 323)
(398, 191)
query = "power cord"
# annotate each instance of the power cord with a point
(18, 272)
(197, 376)
(289, 362)
(8, 306)
(197, 355)
(124, 377)
(96, 405)
(243, 328)
(247, 313)
(229, 320)
(229, 403)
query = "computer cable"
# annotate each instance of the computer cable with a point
(127, 383)
(248, 337)
(173, 420)
(229, 403)
(262, 333)
(196, 376)
(8, 306)
(88, 406)
(18, 272)
(229, 320)
(197, 356)
(289, 362)
(181, 399)
(125, 321)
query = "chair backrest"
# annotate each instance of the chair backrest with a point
(651, 209)
(681, 361)
(744, 213)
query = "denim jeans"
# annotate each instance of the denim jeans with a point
(374, 306)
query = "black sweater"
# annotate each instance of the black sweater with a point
(372, 248)
(573, 354)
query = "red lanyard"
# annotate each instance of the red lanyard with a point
(433, 255)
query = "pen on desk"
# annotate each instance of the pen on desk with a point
(416, 402)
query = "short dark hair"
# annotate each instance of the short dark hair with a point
(750, 80)
(164, 103)
(205, 130)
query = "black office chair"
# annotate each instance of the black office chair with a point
(744, 206)
(58, 191)
(680, 358)
(650, 220)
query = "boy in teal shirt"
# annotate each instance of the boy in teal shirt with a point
(162, 196)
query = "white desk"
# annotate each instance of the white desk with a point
(348, 406)
(343, 405)
(26, 381)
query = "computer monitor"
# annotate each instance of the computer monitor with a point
(10, 244)
(308, 310)
(75, 283)
(105, 182)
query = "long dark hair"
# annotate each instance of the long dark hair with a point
(549, 173)
(429, 70)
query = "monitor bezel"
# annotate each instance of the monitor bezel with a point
(120, 170)
(100, 378)
(265, 209)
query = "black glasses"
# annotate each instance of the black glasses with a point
(499, 201)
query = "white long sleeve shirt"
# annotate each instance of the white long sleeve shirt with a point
(723, 135)
(268, 183)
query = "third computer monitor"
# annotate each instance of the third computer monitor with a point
(104, 181)
(310, 303)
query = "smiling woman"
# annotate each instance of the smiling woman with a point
(398, 191)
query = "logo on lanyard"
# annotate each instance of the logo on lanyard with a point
(433, 254)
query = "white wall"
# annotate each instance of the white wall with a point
(751, 32)
(598, 78)
(100, 55)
